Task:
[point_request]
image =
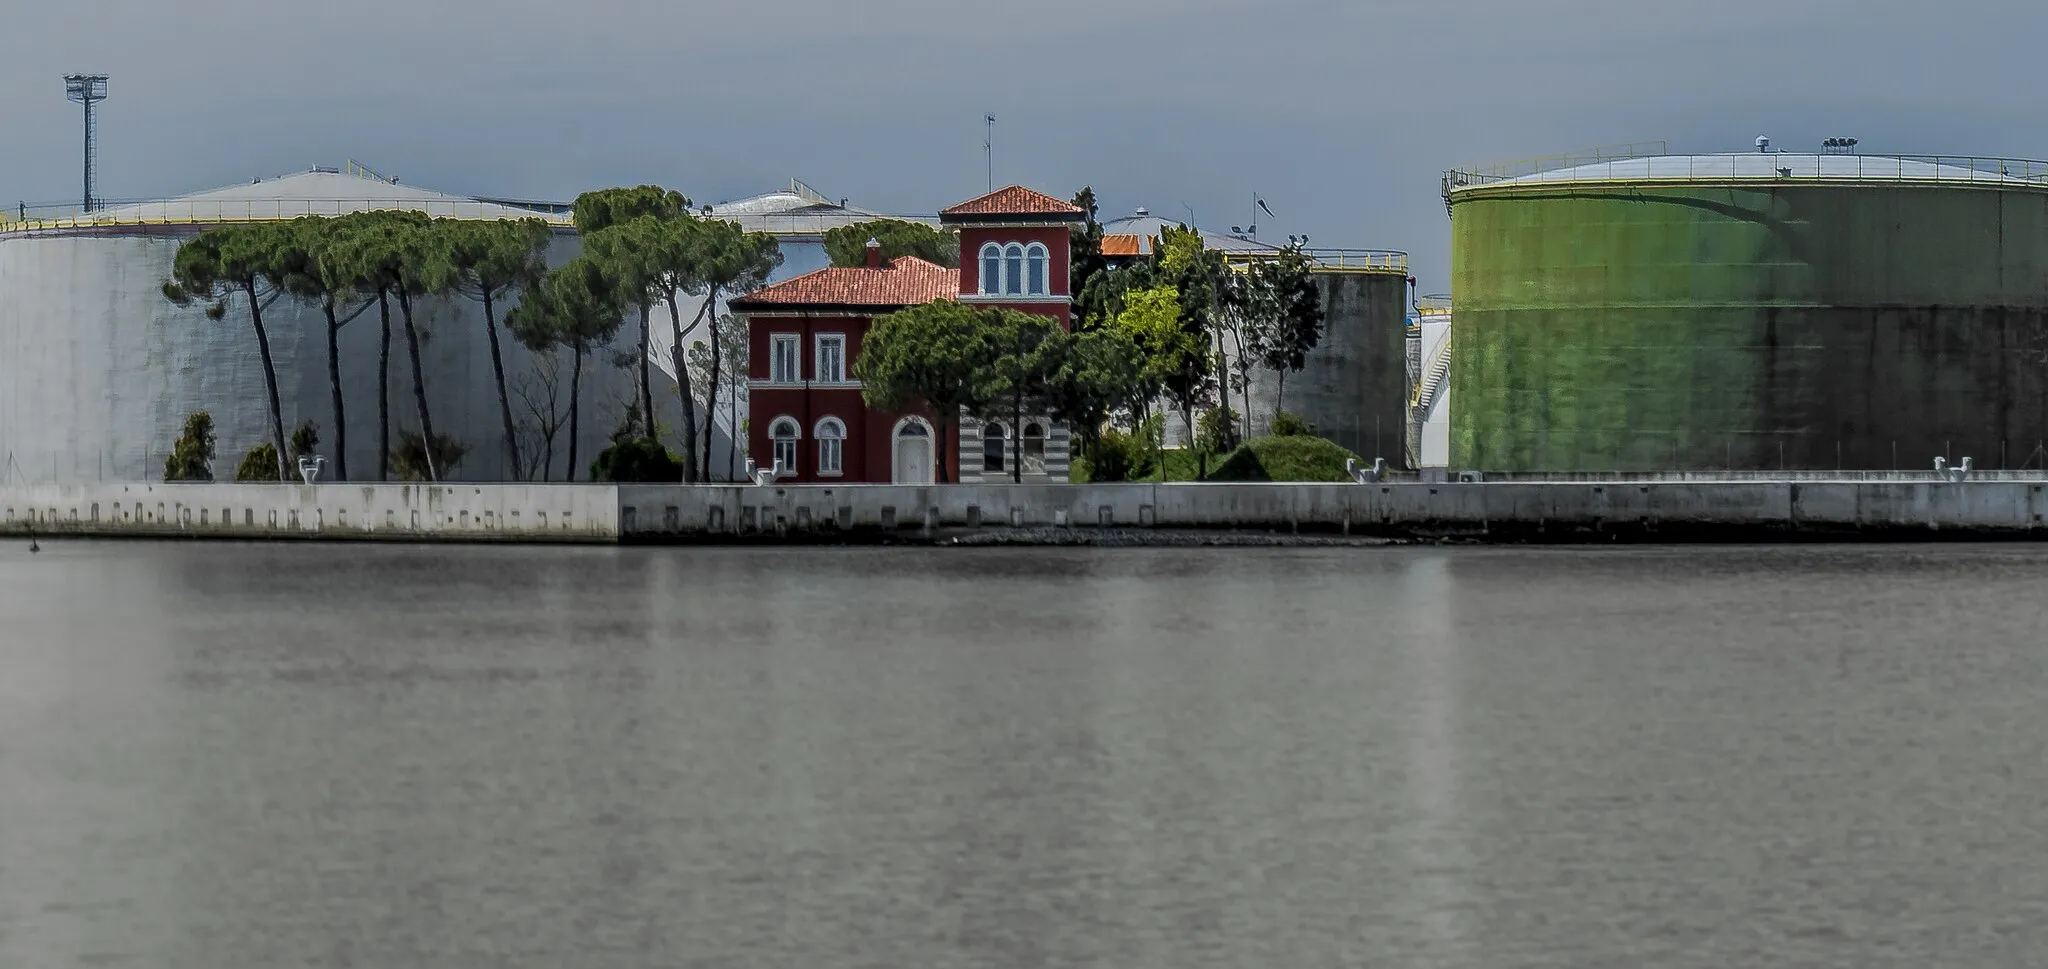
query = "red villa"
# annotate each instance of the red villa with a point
(807, 418)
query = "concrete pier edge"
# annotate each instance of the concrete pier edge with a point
(1492, 511)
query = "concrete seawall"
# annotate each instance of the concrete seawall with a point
(339, 512)
(606, 514)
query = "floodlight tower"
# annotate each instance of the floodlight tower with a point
(88, 90)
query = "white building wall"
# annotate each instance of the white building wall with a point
(973, 457)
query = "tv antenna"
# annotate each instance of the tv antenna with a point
(1252, 232)
(988, 147)
(88, 90)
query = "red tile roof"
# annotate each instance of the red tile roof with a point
(1122, 244)
(907, 281)
(1014, 200)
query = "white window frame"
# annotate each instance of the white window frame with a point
(831, 437)
(819, 342)
(1013, 272)
(1037, 253)
(991, 257)
(1041, 439)
(776, 341)
(1002, 454)
(778, 444)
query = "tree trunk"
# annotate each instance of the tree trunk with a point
(711, 393)
(732, 453)
(1247, 405)
(675, 321)
(552, 427)
(1245, 382)
(1017, 436)
(1187, 417)
(334, 389)
(504, 400)
(1279, 391)
(269, 379)
(384, 388)
(419, 386)
(939, 458)
(575, 409)
(647, 388)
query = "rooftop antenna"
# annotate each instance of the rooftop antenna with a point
(88, 90)
(988, 147)
(1251, 232)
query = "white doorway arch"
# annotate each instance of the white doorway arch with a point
(912, 451)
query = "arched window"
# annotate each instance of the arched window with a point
(831, 436)
(1034, 448)
(784, 433)
(991, 269)
(992, 448)
(1034, 269)
(1013, 270)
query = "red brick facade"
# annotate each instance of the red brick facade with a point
(793, 390)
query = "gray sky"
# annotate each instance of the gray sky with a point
(1341, 113)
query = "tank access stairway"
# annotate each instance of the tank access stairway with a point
(1427, 387)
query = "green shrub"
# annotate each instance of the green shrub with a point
(636, 459)
(260, 464)
(409, 458)
(1291, 458)
(1122, 456)
(304, 441)
(191, 457)
(1289, 425)
(1216, 430)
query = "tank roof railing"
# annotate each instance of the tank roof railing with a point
(1359, 260)
(147, 212)
(1328, 259)
(1590, 156)
(1810, 167)
(29, 218)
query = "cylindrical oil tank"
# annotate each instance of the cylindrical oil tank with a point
(98, 371)
(1751, 312)
(1352, 387)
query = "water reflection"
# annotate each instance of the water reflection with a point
(271, 755)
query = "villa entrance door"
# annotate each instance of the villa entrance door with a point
(913, 454)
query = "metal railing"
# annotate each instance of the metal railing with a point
(1359, 260)
(218, 211)
(1548, 163)
(1769, 166)
(809, 224)
(1433, 305)
(359, 170)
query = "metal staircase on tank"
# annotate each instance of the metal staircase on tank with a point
(1424, 397)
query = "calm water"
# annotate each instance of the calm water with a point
(224, 756)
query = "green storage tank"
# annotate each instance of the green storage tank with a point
(1755, 311)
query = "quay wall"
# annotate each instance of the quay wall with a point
(341, 512)
(606, 514)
